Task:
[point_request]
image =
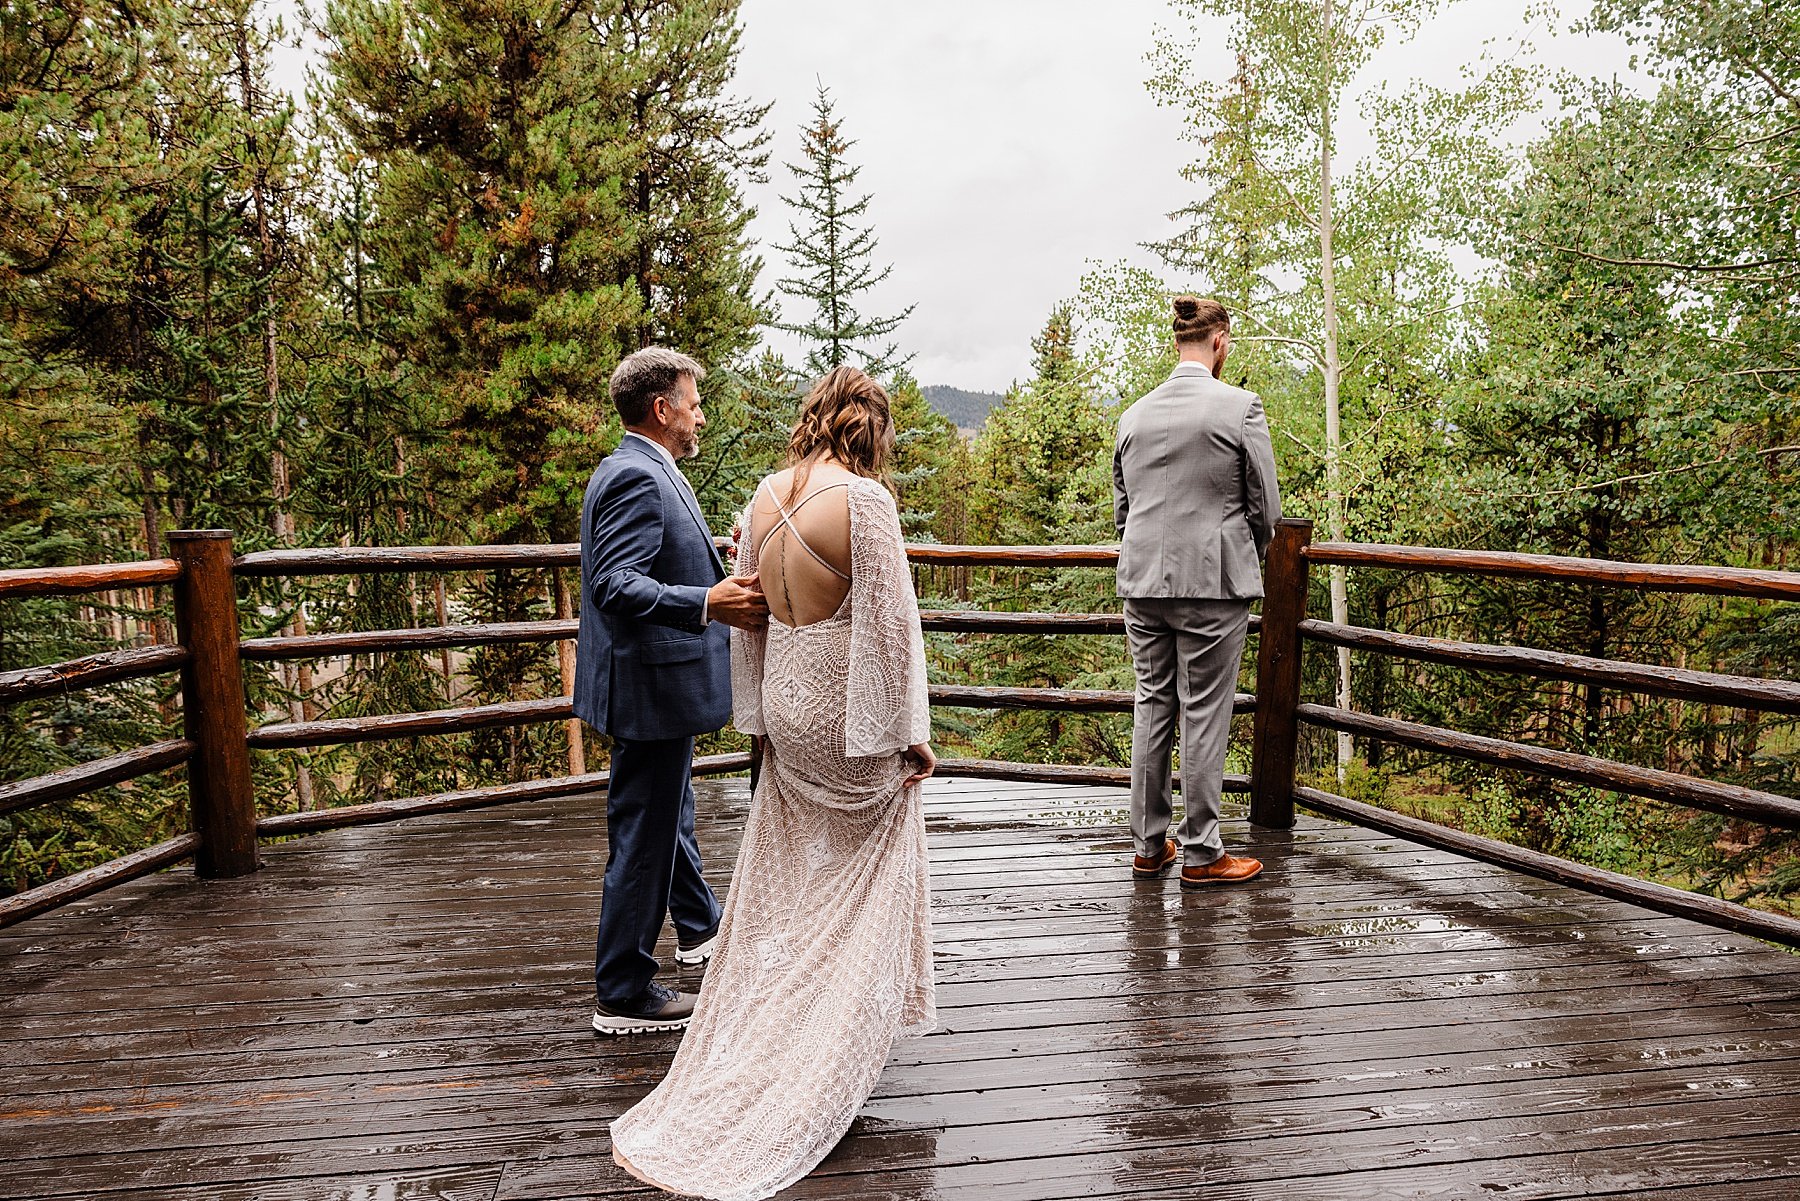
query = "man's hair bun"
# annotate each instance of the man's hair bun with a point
(1197, 320)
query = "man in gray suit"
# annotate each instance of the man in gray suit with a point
(1195, 502)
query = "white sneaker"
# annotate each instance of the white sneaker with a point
(698, 953)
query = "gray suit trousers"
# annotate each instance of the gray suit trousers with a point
(1186, 653)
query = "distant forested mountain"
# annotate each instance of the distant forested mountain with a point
(967, 409)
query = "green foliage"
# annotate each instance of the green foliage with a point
(546, 199)
(929, 468)
(1041, 472)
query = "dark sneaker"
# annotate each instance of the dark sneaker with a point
(688, 954)
(658, 1010)
(1147, 868)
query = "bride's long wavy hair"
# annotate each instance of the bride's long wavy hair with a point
(848, 417)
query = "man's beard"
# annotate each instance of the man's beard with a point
(690, 445)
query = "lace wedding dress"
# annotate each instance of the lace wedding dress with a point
(824, 953)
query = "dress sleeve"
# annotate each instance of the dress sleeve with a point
(887, 708)
(747, 646)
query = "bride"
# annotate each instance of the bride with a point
(824, 952)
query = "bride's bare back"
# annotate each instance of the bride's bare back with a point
(804, 561)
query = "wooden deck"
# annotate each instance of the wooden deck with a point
(400, 1012)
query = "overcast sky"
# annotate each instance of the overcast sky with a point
(1010, 143)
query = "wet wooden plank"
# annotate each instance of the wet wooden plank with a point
(385, 1028)
(1369, 1003)
(1427, 1088)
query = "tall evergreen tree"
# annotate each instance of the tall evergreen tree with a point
(1042, 473)
(555, 183)
(833, 255)
(76, 83)
(929, 467)
(138, 301)
(498, 176)
(689, 147)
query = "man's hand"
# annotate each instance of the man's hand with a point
(738, 601)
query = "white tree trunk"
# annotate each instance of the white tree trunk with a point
(1334, 467)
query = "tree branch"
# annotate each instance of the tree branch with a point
(1313, 352)
(1642, 475)
(1663, 263)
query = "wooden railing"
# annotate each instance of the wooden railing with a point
(216, 748)
(1282, 712)
(212, 708)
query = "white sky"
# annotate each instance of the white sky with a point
(1010, 143)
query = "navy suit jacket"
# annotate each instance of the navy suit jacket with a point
(646, 665)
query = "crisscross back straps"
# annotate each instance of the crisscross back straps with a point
(787, 519)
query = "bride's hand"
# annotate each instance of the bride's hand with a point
(921, 752)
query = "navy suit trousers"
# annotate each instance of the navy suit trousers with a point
(652, 865)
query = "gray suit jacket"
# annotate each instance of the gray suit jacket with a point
(1194, 495)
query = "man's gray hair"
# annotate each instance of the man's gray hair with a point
(645, 376)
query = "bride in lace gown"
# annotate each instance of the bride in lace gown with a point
(824, 951)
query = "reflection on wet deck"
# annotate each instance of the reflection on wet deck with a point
(400, 1012)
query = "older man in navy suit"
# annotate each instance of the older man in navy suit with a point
(653, 669)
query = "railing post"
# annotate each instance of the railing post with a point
(1276, 731)
(212, 704)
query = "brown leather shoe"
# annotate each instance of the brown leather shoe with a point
(1226, 869)
(1145, 869)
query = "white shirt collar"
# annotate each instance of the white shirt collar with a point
(660, 448)
(1191, 367)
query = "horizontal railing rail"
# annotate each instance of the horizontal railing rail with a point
(1663, 898)
(416, 638)
(1730, 799)
(20, 582)
(335, 730)
(366, 560)
(1649, 577)
(313, 820)
(1744, 692)
(357, 560)
(368, 642)
(89, 671)
(80, 778)
(1062, 773)
(343, 730)
(86, 883)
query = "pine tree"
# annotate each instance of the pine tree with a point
(690, 147)
(143, 322)
(75, 85)
(929, 465)
(832, 255)
(371, 426)
(1042, 473)
(554, 184)
(494, 147)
